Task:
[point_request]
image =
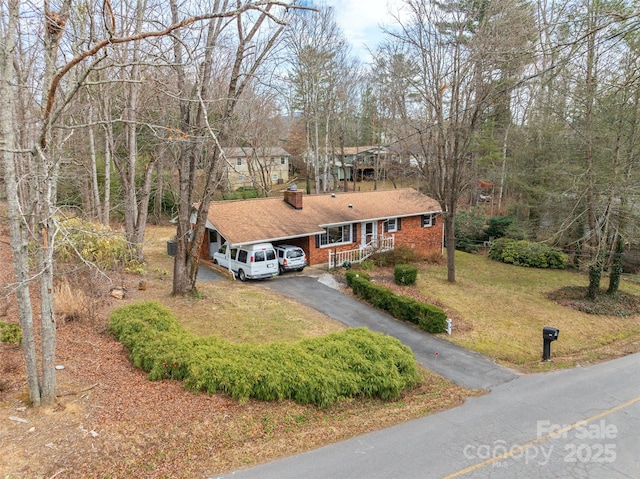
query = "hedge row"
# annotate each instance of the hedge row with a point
(526, 253)
(428, 317)
(320, 371)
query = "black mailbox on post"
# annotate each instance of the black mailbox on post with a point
(548, 334)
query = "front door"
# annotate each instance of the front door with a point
(369, 233)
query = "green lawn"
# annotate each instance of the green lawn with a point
(500, 310)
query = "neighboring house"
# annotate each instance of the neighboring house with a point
(251, 167)
(362, 162)
(330, 228)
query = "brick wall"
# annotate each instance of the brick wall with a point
(424, 240)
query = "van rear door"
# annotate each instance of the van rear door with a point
(264, 261)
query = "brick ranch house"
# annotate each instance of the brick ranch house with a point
(330, 228)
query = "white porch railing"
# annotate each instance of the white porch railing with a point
(378, 245)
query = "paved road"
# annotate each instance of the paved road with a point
(465, 368)
(509, 433)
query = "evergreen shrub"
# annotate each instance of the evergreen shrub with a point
(428, 317)
(527, 253)
(405, 274)
(94, 243)
(10, 333)
(320, 371)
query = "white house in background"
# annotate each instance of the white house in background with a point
(250, 167)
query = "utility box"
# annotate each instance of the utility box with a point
(548, 334)
(172, 247)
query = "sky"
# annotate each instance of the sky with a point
(360, 21)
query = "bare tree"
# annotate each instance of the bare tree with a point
(448, 47)
(318, 53)
(253, 39)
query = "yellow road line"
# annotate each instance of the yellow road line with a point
(559, 432)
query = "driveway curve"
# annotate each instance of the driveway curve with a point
(463, 367)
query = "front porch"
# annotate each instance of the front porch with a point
(379, 244)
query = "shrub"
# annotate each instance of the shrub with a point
(351, 275)
(93, 243)
(527, 253)
(469, 229)
(319, 371)
(405, 274)
(497, 226)
(71, 304)
(10, 333)
(399, 255)
(428, 317)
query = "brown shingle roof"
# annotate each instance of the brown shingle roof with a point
(271, 219)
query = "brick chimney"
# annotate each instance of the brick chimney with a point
(293, 197)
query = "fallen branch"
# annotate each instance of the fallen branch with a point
(74, 393)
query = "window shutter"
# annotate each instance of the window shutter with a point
(434, 217)
(354, 233)
(386, 226)
(317, 241)
(398, 224)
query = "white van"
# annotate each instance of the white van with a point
(255, 261)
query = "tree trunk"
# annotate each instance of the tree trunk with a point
(134, 230)
(616, 266)
(96, 208)
(450, 241)
(159, 193)
(109, 147)
(19, 242)
(596, 261)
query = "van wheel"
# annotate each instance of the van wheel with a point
(215, 261)
(301, 269)
(241, 275)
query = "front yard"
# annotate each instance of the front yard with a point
(500, 310)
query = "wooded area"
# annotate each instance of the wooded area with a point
(115, 111)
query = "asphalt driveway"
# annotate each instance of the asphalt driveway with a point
(463, 367)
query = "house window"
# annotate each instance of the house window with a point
(392, 225)
(240, 178)
(213, 236)
(274, 177)
(429, 220)
(335, 235)
(239, 161)
(282, 160)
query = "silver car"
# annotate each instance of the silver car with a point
(290, 258)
